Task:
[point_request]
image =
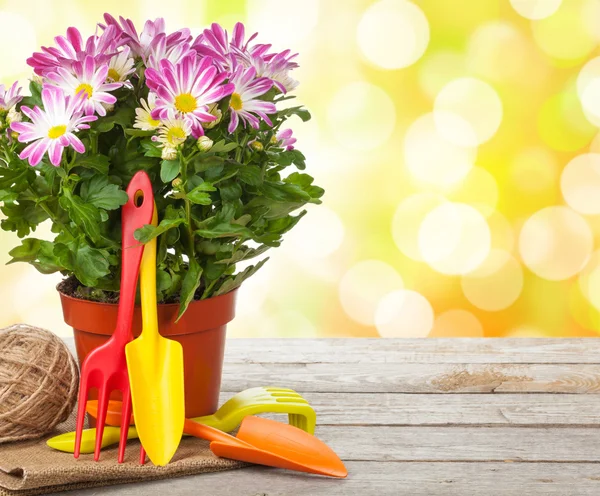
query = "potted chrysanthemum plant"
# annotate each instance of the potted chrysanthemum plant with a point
(203, 117)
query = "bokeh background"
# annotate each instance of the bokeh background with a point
(459, 145)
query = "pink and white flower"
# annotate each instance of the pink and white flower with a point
(284, 139)
(89, 78)
(53, 128)
(120, 67)
(214, 42)
(9, 97)
(244, 103)
(71, 49)
(141, 44)
(187, 89)
(159, 50)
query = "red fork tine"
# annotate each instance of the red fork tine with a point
(126, 415)
(106, 366)
(142, 456)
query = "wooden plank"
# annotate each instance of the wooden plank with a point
(462, 444)
(456, 409)
(361, 350)
(415, 377)
(384, 478)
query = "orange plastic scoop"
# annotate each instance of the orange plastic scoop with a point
(267, 442)
(261, 441)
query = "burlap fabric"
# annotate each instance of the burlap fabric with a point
(32, 468)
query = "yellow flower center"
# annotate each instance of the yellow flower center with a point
(85, 87)
(113, 75)
(185, 103)
(57, 131)
(236, 102)
(176, 135)
(152, 122)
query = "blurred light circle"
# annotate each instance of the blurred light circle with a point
(535, 9)
(364, 285)
(404, 314)
(580, 183)
(562, 123)
(285, 22)
(555, 243)
(467, 112)
(431, 159)
(456, 324)
(479, 189)
(317, 235)
(454, 239)
(497, 50)
(408, 218)
(534, 169)
(361, 116)
(564, 35)
(588, 87)
(393, 34)
(19, 39)
(589, 280)
(438, 69)
(496, 284)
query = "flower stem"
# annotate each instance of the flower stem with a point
(51, 215)
(188, 208)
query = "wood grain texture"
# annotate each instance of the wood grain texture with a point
(416, 377)
(384, 479)
(455, 409)
(490, 350)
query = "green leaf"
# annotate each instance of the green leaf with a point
(236, 281)
(22, 217)
(149, 232)
(100, 163)
(230, 192)
(200, 194)
(16, 177)
(8, 196)
(151, 149)
(299, 111)
(26, 252)
(202, 164)
(85, 215)
(47, 262)
(190, 284)
(222, 147)
(284, 192)
(87, 263)
(169, 170)
(244, 254)
(250, 174)
(123, 117)
(98, 191)
(225, 230)
(163, 280)
(138, 132)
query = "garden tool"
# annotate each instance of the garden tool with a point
(105, 368)
(253, 401)
(267, 442)
(155, 367)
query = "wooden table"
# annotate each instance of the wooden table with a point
(425, 417)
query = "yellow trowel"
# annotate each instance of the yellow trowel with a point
(155, 366)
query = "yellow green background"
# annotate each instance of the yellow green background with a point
(420, 235)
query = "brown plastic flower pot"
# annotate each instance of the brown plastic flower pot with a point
(201, 332)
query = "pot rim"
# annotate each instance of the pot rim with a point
(164, 305)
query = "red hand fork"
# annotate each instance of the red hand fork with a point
(105, 367)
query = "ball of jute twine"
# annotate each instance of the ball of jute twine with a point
(38, 382)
